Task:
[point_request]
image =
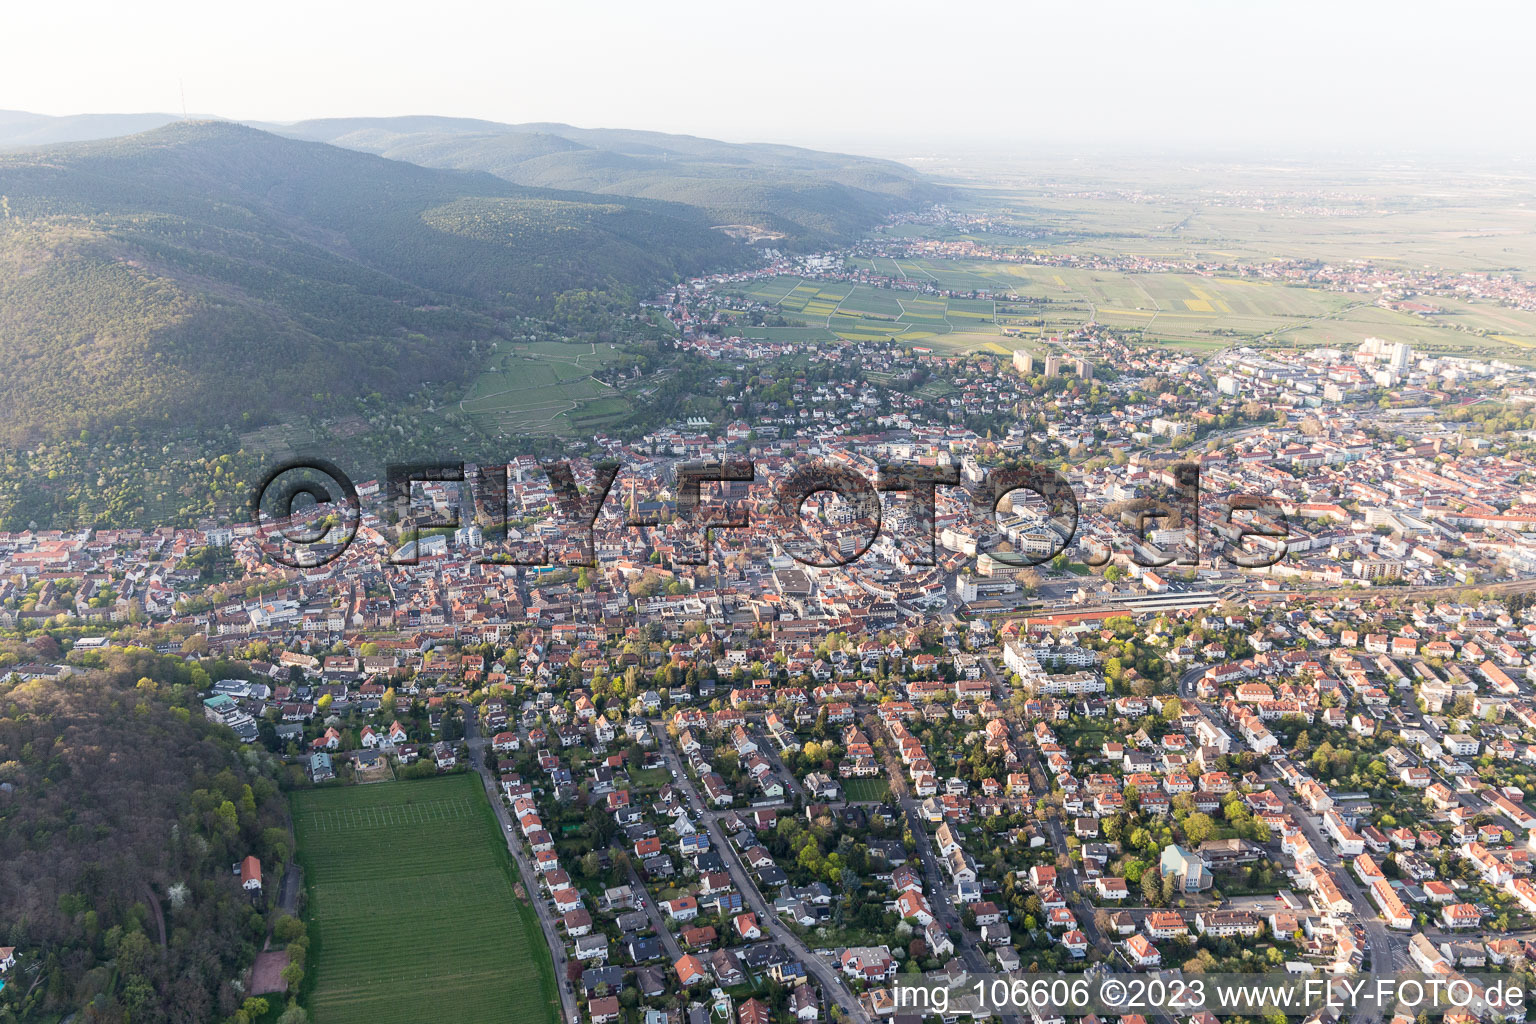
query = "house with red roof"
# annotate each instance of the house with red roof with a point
(690, 971)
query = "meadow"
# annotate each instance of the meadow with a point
(412, 910)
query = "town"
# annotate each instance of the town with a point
(817, 514)
(739, 783)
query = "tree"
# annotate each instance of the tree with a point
(1142, 839)
(253, 1009)
(288, 928)
(1198, 828)
(295, 1014)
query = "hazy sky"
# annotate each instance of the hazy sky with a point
(889, 77)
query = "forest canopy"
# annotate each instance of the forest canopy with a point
(212, 275)
(122, 811)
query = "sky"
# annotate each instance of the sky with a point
(893, 78)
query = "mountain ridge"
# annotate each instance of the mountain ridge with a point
(805, 197)
(210, 273)
(790, 195)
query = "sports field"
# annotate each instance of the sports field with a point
(412, 912)
(867, 790)
(546, 387)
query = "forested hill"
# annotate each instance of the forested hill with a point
(122, 810)
(210, 273)
(810, 197)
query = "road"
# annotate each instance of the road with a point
(1388, 949)
(1388, 954)
(771, 753)
(939, 898)
(1069, 883)
(828, 976)
(477, 744)
(1188, 680)
(668, 940)
(293, 883)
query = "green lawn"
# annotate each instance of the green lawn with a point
(873, 789)
(650, 778)
(412, 912)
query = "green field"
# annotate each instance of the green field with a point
(546, 388)
(1469, 218)
(1442, 218)
(1186, 310)
(412, 910)
(1175, 308)
(825, 310)
(870, 790)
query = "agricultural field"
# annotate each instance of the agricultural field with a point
(412, 909)
(1171, 307)
(546, 388)
(856, 312)
(1471, 217)
(1452, 218)
(1193, 311)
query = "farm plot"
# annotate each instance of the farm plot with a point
(545, 388)
(412, 909)
(861, 312)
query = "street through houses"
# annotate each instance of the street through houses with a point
(1388, 951)
(1072, 887)
(826, 975)
(477, 743)
(970, 945)
(659, 926)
